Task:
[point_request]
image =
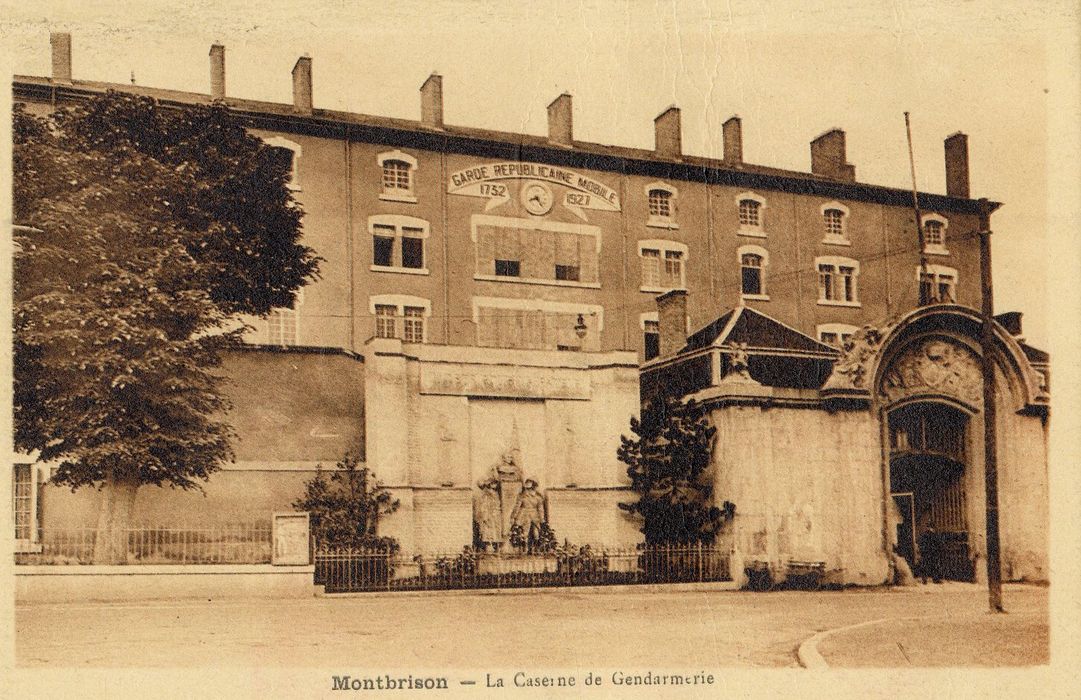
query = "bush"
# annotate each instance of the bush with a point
(345, 508)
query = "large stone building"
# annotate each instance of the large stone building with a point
(488, 293)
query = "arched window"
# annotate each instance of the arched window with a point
(751, 214)
(752, 266)
(661, 199)
(835, 223)
(399, 170)
(934, 234)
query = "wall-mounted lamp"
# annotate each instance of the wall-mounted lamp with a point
(580, 328)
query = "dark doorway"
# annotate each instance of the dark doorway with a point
(927, 470)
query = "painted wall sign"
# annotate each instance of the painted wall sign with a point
(485, 181)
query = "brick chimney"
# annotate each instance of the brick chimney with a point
(431, 101)
(560, 121)
(302, 85)
(668, 139)
(957, 165)
(217, 72)
(61, 49)
(828, 157)
(672, 321)
(732, 131)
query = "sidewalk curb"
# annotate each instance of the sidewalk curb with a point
(808, 654)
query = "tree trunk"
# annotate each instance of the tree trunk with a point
(114, 520)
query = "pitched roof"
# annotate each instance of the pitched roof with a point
(757, 330)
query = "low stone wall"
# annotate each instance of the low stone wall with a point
(65, 584)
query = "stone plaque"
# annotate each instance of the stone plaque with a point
(290, 536)
(523, 382)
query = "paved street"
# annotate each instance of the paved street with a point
(938, 625)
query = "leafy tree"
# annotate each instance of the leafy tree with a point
(667, 463)
(345, 508)
(148, 230)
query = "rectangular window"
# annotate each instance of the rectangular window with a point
(383, 246)
(568, 273)
(282, 324)
(651, 339)
(412, 250)
(752, 280)
(942, 285)
(837, 283)
(413, 324)
(825, 282)
(385, 323)
(748, 213)
(508, 268)
(829, 339)
(22, 491)
(834, 220)
(673, 268)
(651, 268)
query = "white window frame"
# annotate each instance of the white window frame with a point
(830, 238)
(294, 174)
(935, 248)
(398, 222)
(758, 231)
(839, 329)
(285, 313)
(409, 196)
(764, 254)
(31, 544)
(837, 262)
(664, 246)
(656, 221)
(936, 272)
(399, 302)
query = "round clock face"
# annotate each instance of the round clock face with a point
(537, 198)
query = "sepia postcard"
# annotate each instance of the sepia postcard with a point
(484, 349)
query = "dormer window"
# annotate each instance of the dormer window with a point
(751, 214)
(662, 206)
(835, 223)
(399, 173)
(934, 234)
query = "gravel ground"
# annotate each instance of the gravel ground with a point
(564, 629)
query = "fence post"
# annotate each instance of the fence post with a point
(700, 561)
(389, 556)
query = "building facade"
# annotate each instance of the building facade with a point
(452, 253)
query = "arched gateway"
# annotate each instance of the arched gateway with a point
(928, 391)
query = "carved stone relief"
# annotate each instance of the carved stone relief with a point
(936, 366)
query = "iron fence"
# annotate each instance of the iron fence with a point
(232, 543)
(342, 570)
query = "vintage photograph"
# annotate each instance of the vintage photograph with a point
(481, 348)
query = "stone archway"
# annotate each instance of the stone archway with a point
(928, 466)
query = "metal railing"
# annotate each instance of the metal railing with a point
(344, 569)
(232, 543)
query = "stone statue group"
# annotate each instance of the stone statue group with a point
(506, 503)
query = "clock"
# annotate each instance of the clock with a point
(537, 198)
